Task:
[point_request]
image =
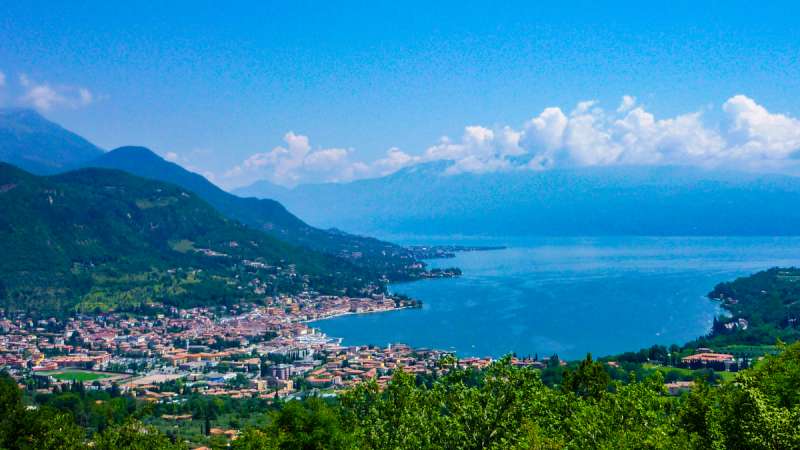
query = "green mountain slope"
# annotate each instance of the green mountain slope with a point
(33, 143)
(104, 238)
(37, 145)
(378, 257)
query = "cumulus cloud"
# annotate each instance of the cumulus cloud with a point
(44, 96)
(749, 136)
(480, 149)
(297, 162)
(545, 131)
(754, 132)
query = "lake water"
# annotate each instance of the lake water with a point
(568, 295)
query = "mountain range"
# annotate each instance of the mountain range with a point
(619, 200)
(104, 238)
(425, 200)
(382, 259)
(33, 143)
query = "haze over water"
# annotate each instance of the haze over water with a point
(568, 295)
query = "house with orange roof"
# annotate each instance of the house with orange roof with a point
(716, 361)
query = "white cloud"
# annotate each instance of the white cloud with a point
(679, 140)
(591, 136)
(587, 141)
(44, 96)
(545, 131)
(754, 132)
(394, 160)
(749, 137)
(583, 107)
(40, 96)
(172, 156)
(480, 149)
(295, 163)
(626, 104)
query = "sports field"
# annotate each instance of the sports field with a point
(78, 375)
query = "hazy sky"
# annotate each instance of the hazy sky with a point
(299, 92)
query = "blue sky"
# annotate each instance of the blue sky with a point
(219, 88)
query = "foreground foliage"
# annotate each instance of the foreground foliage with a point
(509, 407)
(501, 407)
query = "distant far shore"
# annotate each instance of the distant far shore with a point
(448, 251)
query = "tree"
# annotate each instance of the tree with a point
(300, 425)
(590, 379)
(778, 377)
(255, 439)
(41, 428)
(133, 435)
(698, 416)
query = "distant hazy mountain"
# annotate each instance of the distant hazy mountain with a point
(35, 144)
(582, 201)
(104, 238)
(378, 257)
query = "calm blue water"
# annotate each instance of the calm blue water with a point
(568, 295)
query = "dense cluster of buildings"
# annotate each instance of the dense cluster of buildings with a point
(269, 350)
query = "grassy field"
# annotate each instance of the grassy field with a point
(77, 375)
(182, 246)
(688, 373)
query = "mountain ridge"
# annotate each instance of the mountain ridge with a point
(620, 200)
(28, 133)
(40, 146)
(383, 259)
(97, 235)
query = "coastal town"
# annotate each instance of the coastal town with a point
(166, 357)
(245, 350)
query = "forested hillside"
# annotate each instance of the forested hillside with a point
(100, 238)
(40, 146)
(763, 307)
(380, 258)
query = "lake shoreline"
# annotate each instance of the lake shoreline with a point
(353, 313)
(571, 296)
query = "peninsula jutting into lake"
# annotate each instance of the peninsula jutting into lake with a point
(448, 251)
